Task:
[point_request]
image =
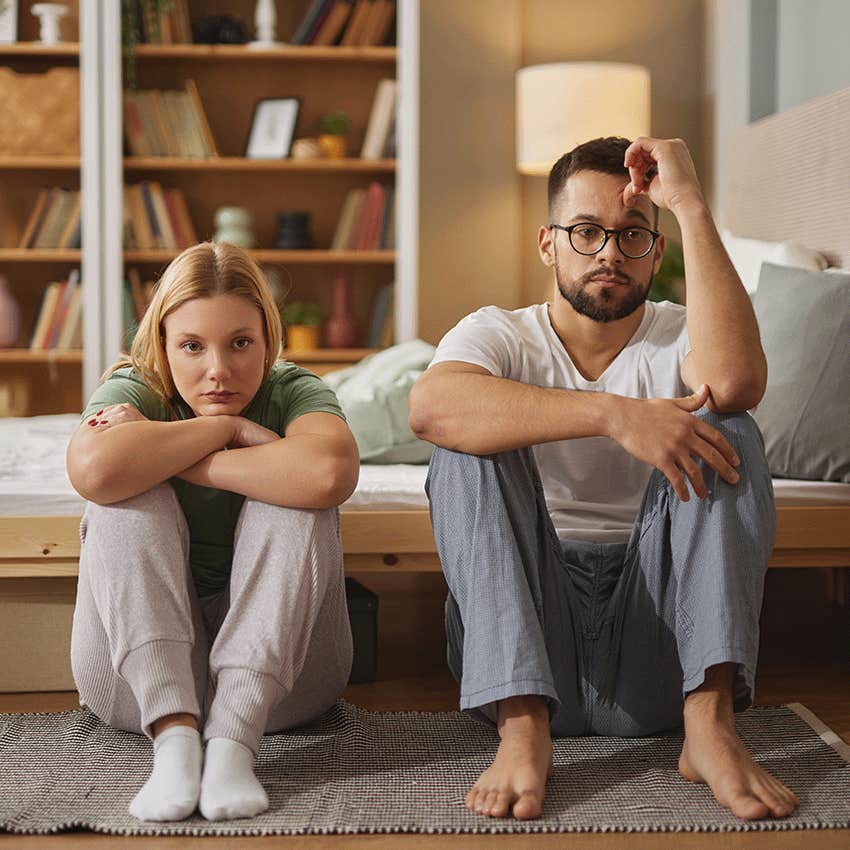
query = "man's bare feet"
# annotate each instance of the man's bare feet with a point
(713, 753)
(516, 781)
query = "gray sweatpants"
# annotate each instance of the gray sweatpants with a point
(271, 652)
(612, 634)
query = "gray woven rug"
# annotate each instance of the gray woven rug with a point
(367, 772)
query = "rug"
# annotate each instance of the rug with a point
(356, 771)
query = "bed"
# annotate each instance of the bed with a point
(385, 525)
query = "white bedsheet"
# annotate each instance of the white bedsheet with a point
(33, 481)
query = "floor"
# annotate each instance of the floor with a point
(805, 658)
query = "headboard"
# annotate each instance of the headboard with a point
(789, 177)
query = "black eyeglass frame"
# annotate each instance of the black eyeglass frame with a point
(609, 232)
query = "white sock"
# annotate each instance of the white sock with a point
(171, 792)
(229, 788)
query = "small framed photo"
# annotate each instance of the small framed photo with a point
(272, 128)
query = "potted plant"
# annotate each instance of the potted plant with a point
(303, 320)
(333, 128)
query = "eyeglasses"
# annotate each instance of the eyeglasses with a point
(588, 239)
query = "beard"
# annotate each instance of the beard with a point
(608, 305)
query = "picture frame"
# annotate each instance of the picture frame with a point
(8, 21)
(272, 128)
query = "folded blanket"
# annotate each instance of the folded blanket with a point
(373, 394)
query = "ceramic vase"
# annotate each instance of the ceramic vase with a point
(233, 225)
(340, 328)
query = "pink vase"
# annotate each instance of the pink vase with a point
(340, 328)
(10, 315)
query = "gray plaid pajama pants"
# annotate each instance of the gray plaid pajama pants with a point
(613, 635)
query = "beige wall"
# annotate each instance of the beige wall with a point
(469, 215)
(479, 218)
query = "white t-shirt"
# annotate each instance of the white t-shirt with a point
(593, 487)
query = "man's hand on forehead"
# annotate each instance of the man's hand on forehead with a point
(663, 170)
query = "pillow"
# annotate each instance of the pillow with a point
(804, 318)
(373, 395)
(747, 255)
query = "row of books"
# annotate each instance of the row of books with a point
(349, 23)
(367, 220)
(380, 139)
(167, 123)
(59, 322)
(155, 217)
(158, 23)
(55, 220)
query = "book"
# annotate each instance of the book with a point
(370, 25)
(380, 117)
(206, 130)
(72, 225)
(381, 309)
(308, 22)
(45, 315)
(70, 335)
(150, 212)
(61, 202)
(34, 220)
(327, 7)
(137, 293)
(351, 208)
(388, 220)
(186, 226)
(333, 25)
(51, 339)
(383, 24)
(139, 217)
(161, 213)
(367, 226)
(134, 131)
(355, 23)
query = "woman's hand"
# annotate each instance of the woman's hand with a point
(115, 414)
(247, 433)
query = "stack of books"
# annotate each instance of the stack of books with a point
(156, 218)
(158, 23)
(379, 141)
(349, 23)
(59, 322)
(55, 220)
(167, 123)
(367, 220)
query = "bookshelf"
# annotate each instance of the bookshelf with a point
(230, 79)
(46, 381)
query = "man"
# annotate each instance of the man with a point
(589, 593)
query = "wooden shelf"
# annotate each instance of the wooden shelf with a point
(327, 355)
(36, 48)
(273, 256)
(44, 255)
(286, 52)
(52, 355)
(53, 163)
(238, 163)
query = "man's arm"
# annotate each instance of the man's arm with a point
(726, 350)
(463, 407)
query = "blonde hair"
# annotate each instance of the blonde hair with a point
(202, 271)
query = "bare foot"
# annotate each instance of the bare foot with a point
(714, 754)
(516, 781)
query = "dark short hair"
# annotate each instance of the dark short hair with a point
(603, 155)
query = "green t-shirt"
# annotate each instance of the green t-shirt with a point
(288, 392)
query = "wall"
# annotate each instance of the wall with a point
(469, 211)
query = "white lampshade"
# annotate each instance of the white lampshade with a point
(563, 104)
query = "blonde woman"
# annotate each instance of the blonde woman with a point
(211, 603)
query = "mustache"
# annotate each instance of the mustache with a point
(604, 272)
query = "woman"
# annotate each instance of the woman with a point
(211, 593)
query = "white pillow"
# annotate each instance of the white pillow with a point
(747, 255)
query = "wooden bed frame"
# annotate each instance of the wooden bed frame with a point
(39, 555)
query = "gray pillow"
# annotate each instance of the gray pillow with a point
(804, 318)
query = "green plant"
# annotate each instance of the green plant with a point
(333, 123)
(136, 18)
(302, 313)
(666, 285)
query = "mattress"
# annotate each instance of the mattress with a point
(33, 480)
